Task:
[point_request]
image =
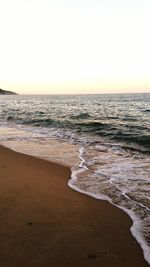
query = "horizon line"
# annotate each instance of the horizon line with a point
(107, 93)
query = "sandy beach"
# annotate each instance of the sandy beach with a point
(44, 223)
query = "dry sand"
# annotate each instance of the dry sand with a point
(45, 223)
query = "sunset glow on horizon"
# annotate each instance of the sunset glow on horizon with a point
(61, 47)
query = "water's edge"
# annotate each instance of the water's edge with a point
(133, 217)
(134, 228)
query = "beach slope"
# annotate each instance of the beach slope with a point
(45, 223)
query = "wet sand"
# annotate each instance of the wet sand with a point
(43, 222)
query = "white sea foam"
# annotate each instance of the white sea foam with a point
(114, 175)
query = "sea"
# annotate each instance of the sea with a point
(104, 138)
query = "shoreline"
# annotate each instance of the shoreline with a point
(46, 223)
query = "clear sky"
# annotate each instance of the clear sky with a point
(82, 46)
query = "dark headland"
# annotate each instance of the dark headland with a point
(4, 92)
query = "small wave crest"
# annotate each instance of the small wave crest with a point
(146, 110)
(80, 116)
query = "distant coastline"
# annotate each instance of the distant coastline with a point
(4, 92)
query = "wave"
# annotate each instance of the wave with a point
(147, 110)
(81, 116)
(130, 134)
(143, 140)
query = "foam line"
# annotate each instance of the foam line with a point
(136, 221)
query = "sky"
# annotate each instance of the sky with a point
(82, 46)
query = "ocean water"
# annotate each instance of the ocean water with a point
(105, 139)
